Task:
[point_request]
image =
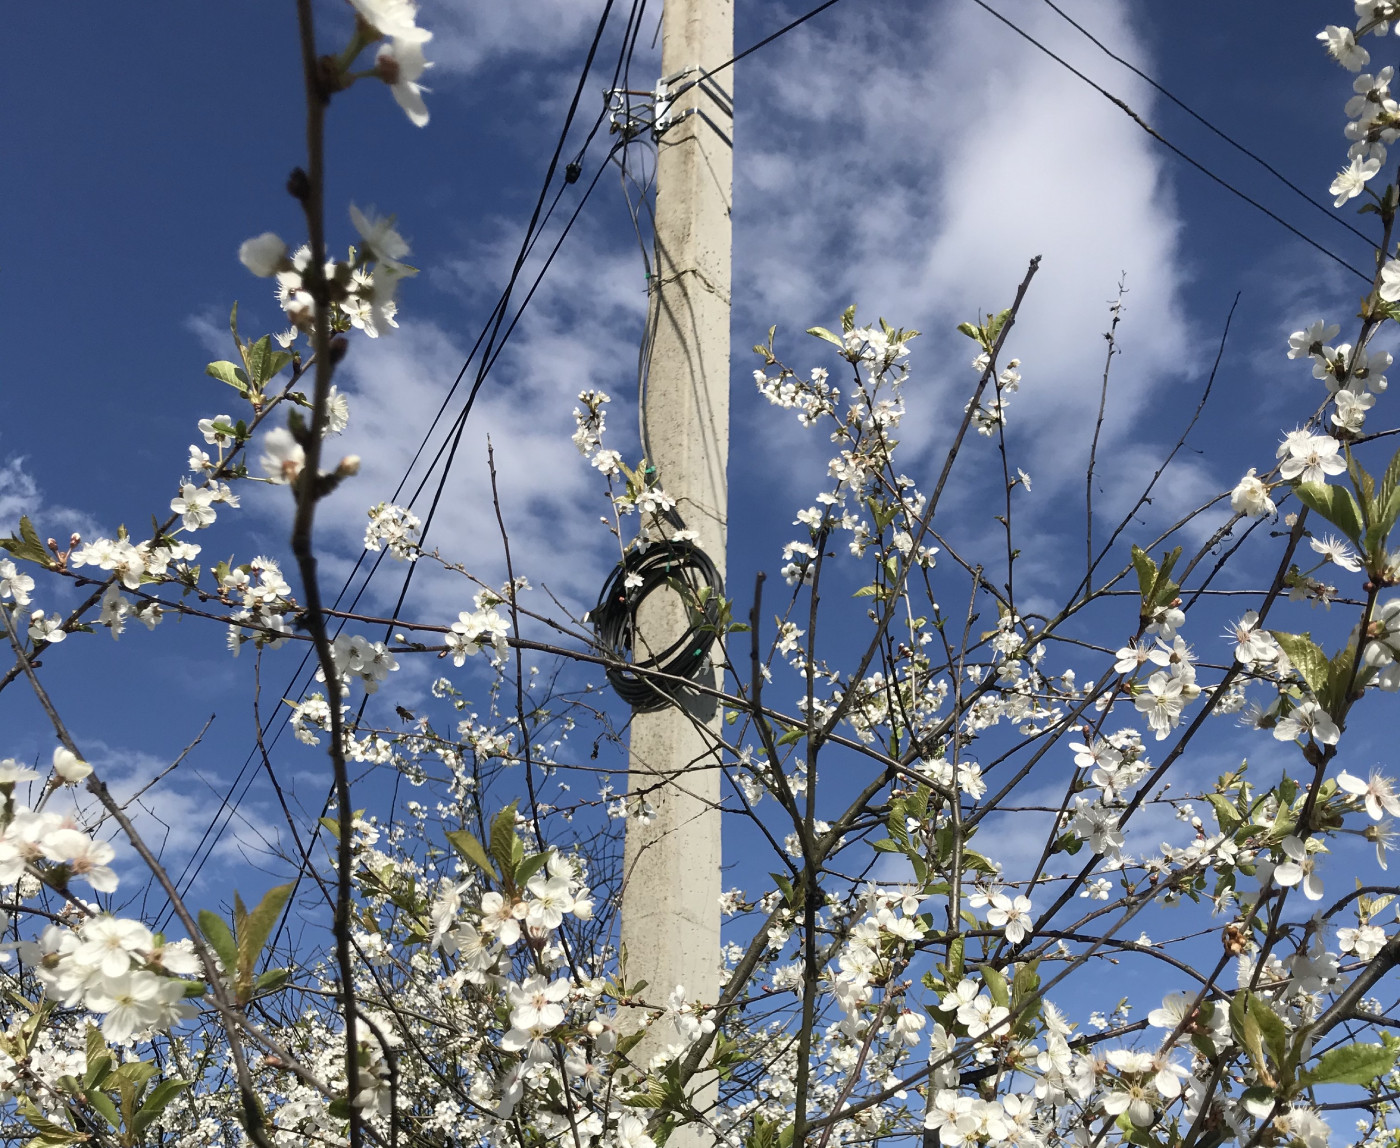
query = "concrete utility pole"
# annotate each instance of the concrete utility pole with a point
(670, 900)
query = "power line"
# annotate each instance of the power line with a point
(491, 329)
(1234, 143)
(752, 48)
(1150, 130)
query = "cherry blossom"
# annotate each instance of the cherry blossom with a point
(1378, 793)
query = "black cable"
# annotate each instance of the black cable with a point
(1137, 119)
(752, 48)
(1195, 115)
(233, 795)
(533, 231)
(488, 359)
(678, 566)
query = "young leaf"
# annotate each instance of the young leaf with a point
(503, 838)
(1309, 659)
(264, 362)
(229, 373)
(103, 1104)
(160, 1096)
(823, 333)
(996, 986)
(1334, 503)
(471, 850)
(1147, 577)
(216, 932)
(1271, 1028)
(955, 959)
(1350, 1064)
(528, 867)
(253, 932)
(28, 545)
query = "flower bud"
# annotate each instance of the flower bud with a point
(298, 184)
(349, 466)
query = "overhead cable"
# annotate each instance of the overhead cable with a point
(1195, 115)
(1155, 134)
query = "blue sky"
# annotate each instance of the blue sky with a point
(907, 156)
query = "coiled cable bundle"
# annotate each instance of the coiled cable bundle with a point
(665, 563)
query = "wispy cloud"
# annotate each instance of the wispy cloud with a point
(579, 333)
(20, 494)
(915, 163)
(468, 36)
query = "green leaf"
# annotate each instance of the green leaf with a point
(240, 913)
(96, 1044)
(216, 932)
(503, 838)
(49, 1132)
(471, 850)
(529, 867)
(1390, 480)
(1387, 512)
(1225, 813)
(786, 886)
(1245, 1028)
(102, 1103)
(996, 986)
(970, 330)
(264, 362)
(99, 1068)
(627, 1043)
(995, 326)
(797, 733)
(1334, 503)
(28, 545)
(138, 1072)
(1307, 656)
(160, 1096)
(823, 333)
(253, 933)
(1271, 1028)
(1146, 576)
(272, 980)
(1350, 1064)
(229, 373)
(1025, 983)
(955, 959)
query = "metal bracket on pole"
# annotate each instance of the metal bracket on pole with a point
(662, 99)
(664, 117)
(630, 120)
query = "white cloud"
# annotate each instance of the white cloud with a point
(579, 332)
(915, 164)
(171, 815)
(21, 495)
(467, 36)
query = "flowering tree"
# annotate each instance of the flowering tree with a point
(892, 976)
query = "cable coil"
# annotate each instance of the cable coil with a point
(663, 564)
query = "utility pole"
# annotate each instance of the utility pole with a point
(671, 889)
